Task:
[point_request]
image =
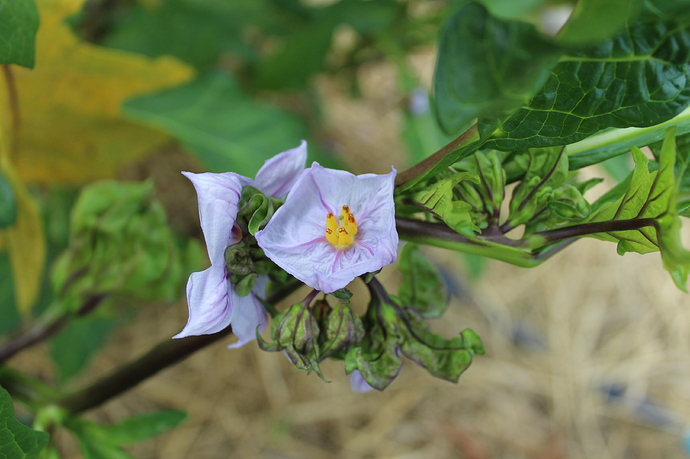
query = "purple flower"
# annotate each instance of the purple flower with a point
(333, 227)
(212, 301)
(358, 384)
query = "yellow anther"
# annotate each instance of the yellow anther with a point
(331, 222)
(344, 238)
(341, 231)
(351, 224)
(331, 236)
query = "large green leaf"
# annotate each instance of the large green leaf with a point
(487, 67)
(638, 78)
(595, 20)
(195, 31)
(19, 19)
(650, 196)
(225, 128)
(16, 440)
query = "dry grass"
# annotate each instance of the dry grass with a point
(556, 336)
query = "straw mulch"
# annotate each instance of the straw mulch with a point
(587, 357)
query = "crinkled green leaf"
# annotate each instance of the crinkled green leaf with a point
(17, 441)
(442, 358)
(487, 193)
(344, 329)
(120, 243)
(438, 199)
(378, 369)
(422, 288)
(595, 20)
(225, 128)
(487, 67)
(638, 78)
(650, 196)
(19, 19)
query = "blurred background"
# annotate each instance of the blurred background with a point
(587, 355)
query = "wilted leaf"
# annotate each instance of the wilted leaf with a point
(24, 240)
(70, 129)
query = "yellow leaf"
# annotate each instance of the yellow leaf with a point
(70, 128)
(24, 240)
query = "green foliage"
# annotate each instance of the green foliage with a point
(72, 348)
(422, 287)
(120, 244)
(195, 31)
(98, 441)
(8, 210)
(214, 119)
(19, 21)
(487, 67)
(8, 310)
(438, 199)
(486, 194)
(637, 78)
(16, 440)
(649, 196)
(593, 21)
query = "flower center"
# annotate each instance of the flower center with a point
(341, 231)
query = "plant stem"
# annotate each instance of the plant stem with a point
(126, 377)
(420, 169)
(585, 229)
(46, 327)
(161, 356)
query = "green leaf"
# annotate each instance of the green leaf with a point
(487, 67)
(8, 203)
(485, 195)
(438, 199)
(99, 441)
(650, 196)
(442, 358)
(225, 128)
(8, 309)
(195, 31)
(19, 21)
(143, 426)
(72, 348)
(422, 288)
(593, 21)
(378, 369)
(16, 440)
(610, 143)
(304, 54)
(636, 79)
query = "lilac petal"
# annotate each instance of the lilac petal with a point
(295, 237)
(358, 384)
(208, 299)
(218, 195)
(277, 176)
(249, 314)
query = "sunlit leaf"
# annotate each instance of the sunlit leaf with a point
(71, 130)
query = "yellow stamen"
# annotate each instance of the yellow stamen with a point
(341, 231)
(331, 222)
(331, 236)
(351, 224)
(344, 238)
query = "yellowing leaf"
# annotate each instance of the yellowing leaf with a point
(70, 129)
(24, 240)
